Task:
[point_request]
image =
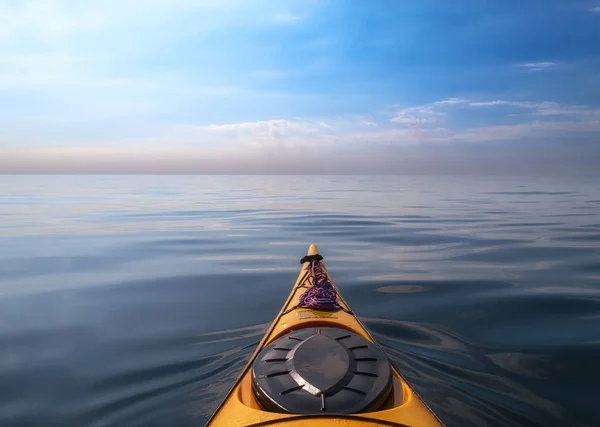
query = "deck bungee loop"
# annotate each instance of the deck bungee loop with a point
(321, 295)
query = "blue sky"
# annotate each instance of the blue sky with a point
(250, 86)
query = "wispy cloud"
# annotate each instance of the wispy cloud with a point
(275, 129)
(417, 115)
(451, 101)
(516, 132)
(434, 113)
(276, 145)
(401, 129)
(489, 103)
(539, 66)
(595, 9)
(367, 123)
(546, 108)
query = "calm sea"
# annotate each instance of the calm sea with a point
(136, 300)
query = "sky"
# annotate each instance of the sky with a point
(300, 86)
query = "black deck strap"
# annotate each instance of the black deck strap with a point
(308, 258)
(289, 310)
(345, 310)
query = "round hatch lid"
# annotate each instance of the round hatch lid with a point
(316, 370)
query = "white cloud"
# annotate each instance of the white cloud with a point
(542, 108)
(451, 101)
(539, 66)
(296, 136)
(270, 127)
(301, 133)
(522, 131)
(575, 118)
(269, 146)
(417, 115)
(518, 104)
(556, 109)
(488, 103)
(595, 9)
(297, 131)
(430, 116)
(433, 113)
(367, 123)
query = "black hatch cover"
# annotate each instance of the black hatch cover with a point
(316, 370)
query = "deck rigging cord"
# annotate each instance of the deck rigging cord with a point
(320, 295)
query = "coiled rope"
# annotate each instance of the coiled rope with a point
(321, 295)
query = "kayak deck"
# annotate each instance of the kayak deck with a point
(402, 407)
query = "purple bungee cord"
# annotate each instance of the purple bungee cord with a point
(321, 295)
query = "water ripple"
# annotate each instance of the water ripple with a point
(137, 300)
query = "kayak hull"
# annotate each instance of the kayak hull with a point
(403, 407)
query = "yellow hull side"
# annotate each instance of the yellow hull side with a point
(403, 408)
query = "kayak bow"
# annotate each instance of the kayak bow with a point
(318, 365)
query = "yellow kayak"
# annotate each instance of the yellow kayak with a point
(318, 365)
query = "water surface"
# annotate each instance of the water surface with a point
(136, 300)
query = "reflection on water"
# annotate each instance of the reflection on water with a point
(137, 300)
